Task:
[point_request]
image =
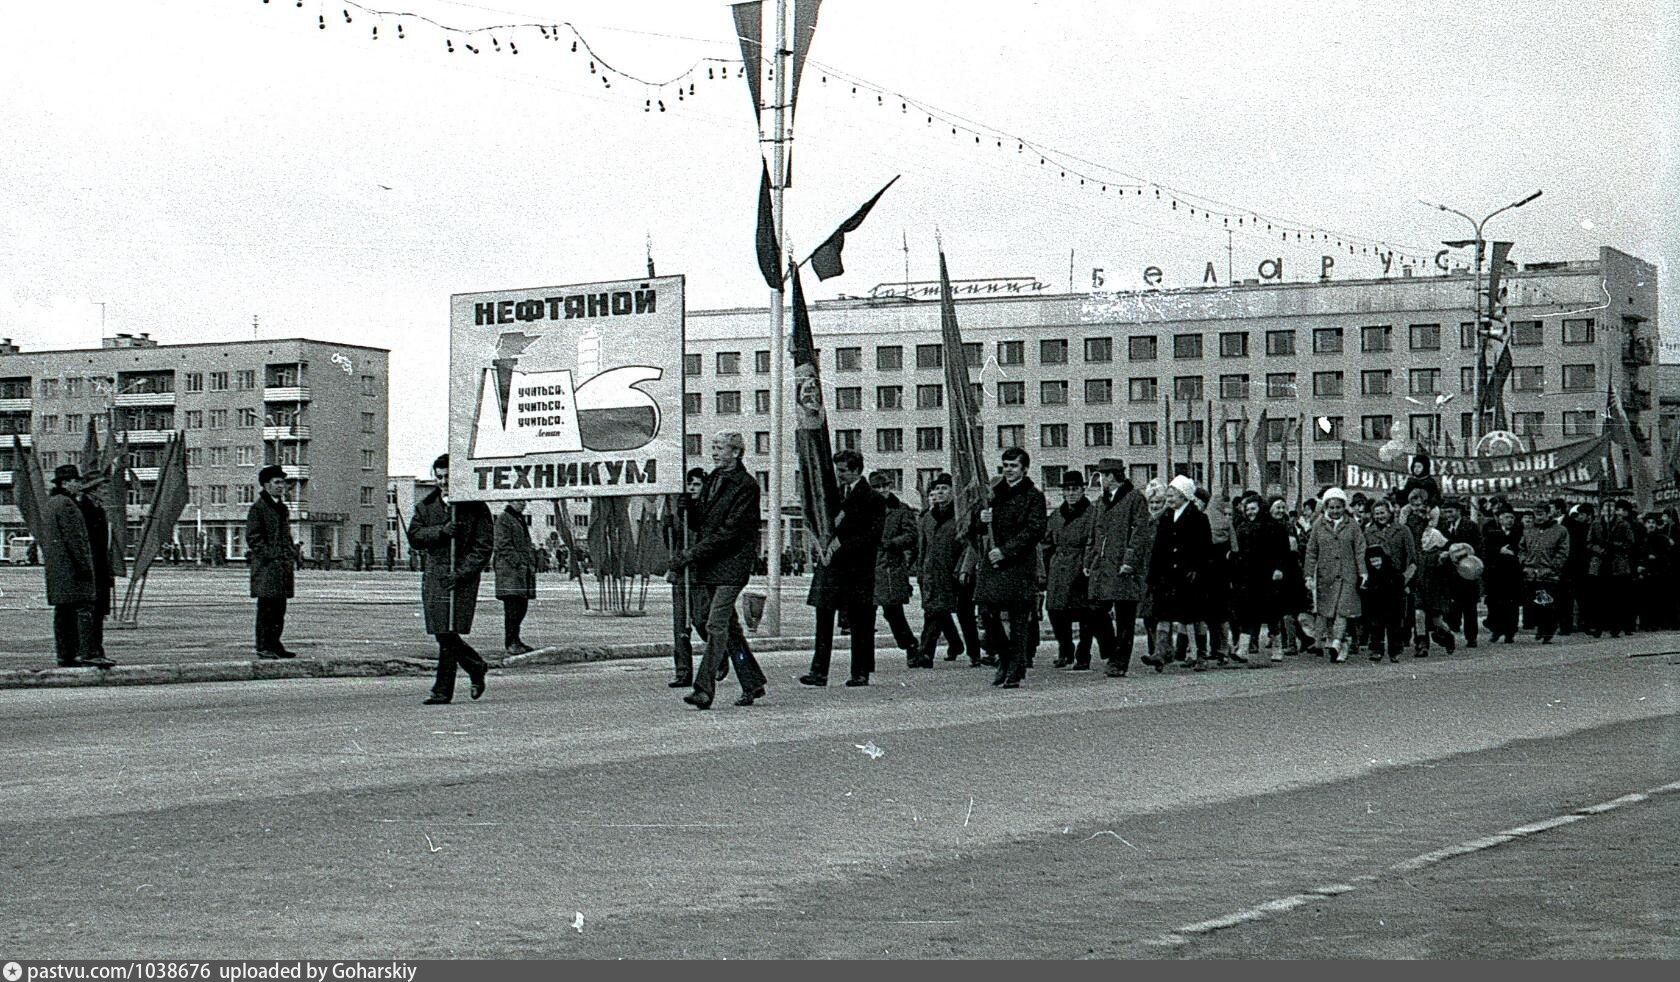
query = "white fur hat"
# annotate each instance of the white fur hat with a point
(1184, 485)
(1334, 493)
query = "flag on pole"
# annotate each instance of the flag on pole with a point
(820, 496)
(1260, 448)
(29, 492)
(1621, 432)
(968, 450)
(1242, 448)
(169, 499)
(91, 462)
(825, 261)
(113, 497)
(804, 29)
(574, 566)
(749, 30)
(769, 252)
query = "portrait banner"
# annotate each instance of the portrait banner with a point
(568, 391)
(1573, 465)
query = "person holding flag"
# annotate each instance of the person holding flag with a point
(1006, 580)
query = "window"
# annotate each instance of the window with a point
(1053, 393)
(979, 390)
(218, 419)
(691, 366)
(1327, 340)
(1327, 472)
(1425, 381)
(1467, 379)
(1099, 434)
(195, 419)
(930, 356)
(1012, 393)
(218, 381)
(1527, 334)
(367, 496)
(1578, 378)
(1580, 422)
(1052, 351)
(1530, 425)
(1233, 386)
(1528, 378)
(848, 359)
(1011, 435)
(1187, 388)
(218, 494)
(761, 402)
(1426, 337)
(761, 362)
(761, 442)
(194, 382)
(889, 397)
(1187, 346)
(72, 387)
(1099, 350)
(1280, 343)
(1466, 336)
(1012, 352)
(218, 456)
(729, 363)
(930, 438)
(49, 424)
(889, 358)
(1280, 385)
(367, 460)
(889, 440)
(1328, 385)
(1099, 391)
(930, 396)
(1378, 337)
(1376, 382)
(729, 403)
(1053, 435)
(1421, 427)
(1374, 428)
(246, 379)
(72, 422)
(195, 456)
(1142, 474)
(1233, 344)
(691, 403)
(1143, 390)
(248, 418)
(847, 439)
(1578, 331)
(1142, 434)
(1141, 349)
(848, 398)
(974, 353)
(370, 385)
(691, 445)
(1188, 432)
(1323, 435)
(247, 456)
(1051, 475)
(49, 388)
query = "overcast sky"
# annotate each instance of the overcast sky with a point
(191, 163)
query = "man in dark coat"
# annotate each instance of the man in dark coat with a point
(1177, 565)
(515, 565)
(69, 567)
(457, 539)
(273, 560)
(1463, 616)
(895, 557)
(1065, 592)
(844, 580)
(104, 578)
(684, 618)
(940, 552)
(1115, 565)
(1006, 580)
(1573, 603)
(723, 528)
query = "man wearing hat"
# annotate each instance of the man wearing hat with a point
(104, 578)
(1114, 564)
(946, 605)
(273, 560)
(1066, 595)
(70, 571)
(1463, 615)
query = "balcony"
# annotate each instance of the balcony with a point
(286, 393)
(297, 472)
(1637, 353)
(5, 477)
(297, 432)
(138, 438)
(23, 405)
(144, 399)
(143, 473)
(23, 439)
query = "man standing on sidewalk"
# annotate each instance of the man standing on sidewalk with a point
(104, 579)
(273, 560)
(457, 539)
(516, 574)
(69, 567)
(723, 525)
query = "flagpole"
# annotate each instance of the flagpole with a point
(778, 331)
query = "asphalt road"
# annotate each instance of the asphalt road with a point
(929, 815)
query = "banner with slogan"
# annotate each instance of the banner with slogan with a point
(1574, 465)
(567, 391)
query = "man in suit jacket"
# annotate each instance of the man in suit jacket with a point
(845, 574)
(457, 538)
(272, 558)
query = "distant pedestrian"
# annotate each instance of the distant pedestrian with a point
(390, 556)
(70, 572)
(1503, 574)
(1544, 555)
(895, 557)
(1178, 569)
(1117, 545)
(104, 579)
(272, 557)
(457, 539)
(1335, 568)
(1067, 589)
(940, 553)
(516, 574)
(684, 618)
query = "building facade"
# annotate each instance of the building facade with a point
(319, 409)
(1165, 379)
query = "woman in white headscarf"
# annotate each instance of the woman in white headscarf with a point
(1335, 569)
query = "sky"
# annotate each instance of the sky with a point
(177, 167)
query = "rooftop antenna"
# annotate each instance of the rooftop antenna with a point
(253, 325)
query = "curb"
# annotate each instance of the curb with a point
(216, 671)
(572, 654)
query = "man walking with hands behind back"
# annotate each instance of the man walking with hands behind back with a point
(273, 560)
(457, 539)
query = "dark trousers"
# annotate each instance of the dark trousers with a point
(682, 651)
(903, 636)
(453, 650)
(96, 620)
(513, 615)
(1011, 633)
(1616, 604)
(1502, 610)
(1387, 620)
(861, 621)
(968, 620)
(271, 623)
(1062, 623)
(1563, 597)
(1462, 616)
(724, 640)
(72, 632)
(1116, 637)
(936, 624)
(1544, 617)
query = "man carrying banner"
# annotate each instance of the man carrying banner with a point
(273, 560)
(844, 579)
(457, 539)
(1006, 580)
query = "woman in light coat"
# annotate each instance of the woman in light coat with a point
(1335, 569)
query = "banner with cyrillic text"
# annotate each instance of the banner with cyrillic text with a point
(1568, 466)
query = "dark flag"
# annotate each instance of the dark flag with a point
(168, 501)
(1242, 448)
(769, 252)
(749, 30)
(820, 495)
(1621, 432)
(968, 449)
(29, 492)
(574, 566)
(91, 462)
(825, 261)
(113, 498)
(1491, 318)
(1260, 449)
(1493, 388)
(804, 29)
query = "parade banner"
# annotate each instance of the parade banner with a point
(1571, 466)
(567, 391)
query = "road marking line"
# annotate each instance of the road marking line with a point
(1183, 935)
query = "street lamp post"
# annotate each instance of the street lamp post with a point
(1476, 306)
